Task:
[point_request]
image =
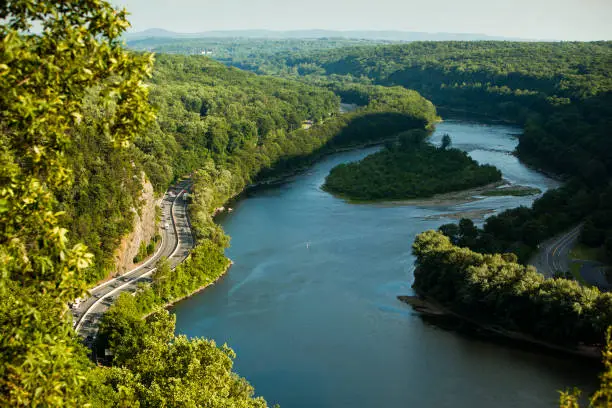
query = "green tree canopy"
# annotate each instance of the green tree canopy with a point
(43, 79)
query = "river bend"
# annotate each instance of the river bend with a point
(310, 305)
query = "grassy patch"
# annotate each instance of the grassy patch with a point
(586, 253)
(513, 191)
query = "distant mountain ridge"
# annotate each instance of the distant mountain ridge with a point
(390, 35)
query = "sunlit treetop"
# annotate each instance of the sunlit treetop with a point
(51, 54)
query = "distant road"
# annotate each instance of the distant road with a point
(553, 254)
(177, 241)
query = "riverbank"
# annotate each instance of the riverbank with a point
(471, 214)
(529, 161)
(457, 197)
(470, 115)
(512, 190)
(535, 164)
(195, 292)
(321, 275)
(275, 180)
(438, 313)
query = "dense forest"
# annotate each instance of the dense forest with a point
(411, 168)
(219, 174)
(205, 111)
(77, 108)
(560, 92)
(508, 79)
(75, 86)
(83, 123)
(497, 290)
(250, 54)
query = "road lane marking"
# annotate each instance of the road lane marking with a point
(88, 311)
(564, 240)
(161, 245)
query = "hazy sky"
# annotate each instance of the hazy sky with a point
(543, 19)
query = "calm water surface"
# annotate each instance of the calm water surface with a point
(310, 305)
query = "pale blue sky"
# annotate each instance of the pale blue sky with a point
(543, 19)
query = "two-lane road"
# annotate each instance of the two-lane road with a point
(554, 254)
(177, 241)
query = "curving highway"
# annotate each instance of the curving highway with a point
(554, 254)
(177, 241)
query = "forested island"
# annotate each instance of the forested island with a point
(84, 121)
(411, 168)
(67, 163)
(230, 161)
(559, 92)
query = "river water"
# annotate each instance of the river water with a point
(310, 305)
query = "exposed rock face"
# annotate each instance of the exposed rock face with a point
(144, 229)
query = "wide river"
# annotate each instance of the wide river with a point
(310, 305)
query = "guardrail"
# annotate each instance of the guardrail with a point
(151, 258)
(101, 298)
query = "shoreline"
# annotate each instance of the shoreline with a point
(471, 214)
(193, 293)
(285, 177)
(475, 116)
(451, 198)
(533, 164)
(428, 307)
(270, 182)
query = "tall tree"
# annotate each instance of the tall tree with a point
(43, 79)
